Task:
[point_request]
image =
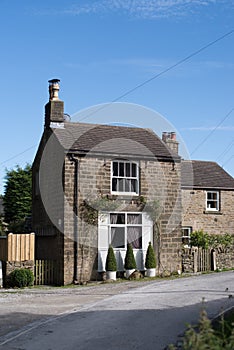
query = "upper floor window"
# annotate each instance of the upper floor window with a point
(212, 200)
(125, 177)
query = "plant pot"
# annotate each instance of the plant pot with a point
(129, 272)
(111, 275)
(151, 272)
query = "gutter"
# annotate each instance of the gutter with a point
(75, 211)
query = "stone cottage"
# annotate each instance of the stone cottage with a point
(207, 198)
(96, 185)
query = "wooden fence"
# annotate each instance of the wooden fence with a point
(46, 272)
(17, 247)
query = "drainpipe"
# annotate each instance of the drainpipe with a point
(75, 210)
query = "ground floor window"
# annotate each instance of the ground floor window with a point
(186, 233)
(126, 228)
(119, 229)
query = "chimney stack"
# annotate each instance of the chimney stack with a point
(170, 140)
(54, 109)
(54, 89)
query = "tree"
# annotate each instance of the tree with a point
(111, 264)
(17, 198)
(129, 262)
(150, 260)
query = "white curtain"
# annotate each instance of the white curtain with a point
(134, 237)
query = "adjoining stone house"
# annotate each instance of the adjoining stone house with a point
(95, 185)
(207, 198)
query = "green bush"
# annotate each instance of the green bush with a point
(199, 239)
(129, 261)
(111, 264)
(205, 337)
(204, 240)
(30, 277)
(150, 260)
(21, 278)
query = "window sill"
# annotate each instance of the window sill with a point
(212, 212)
(125, 194)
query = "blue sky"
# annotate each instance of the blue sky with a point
(102, 49)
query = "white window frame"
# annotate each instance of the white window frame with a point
(186, 236)
(136, 178)
(125, 226)
(208, 207)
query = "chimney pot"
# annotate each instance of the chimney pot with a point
(54, 89)
(164, 136)
(173, 136)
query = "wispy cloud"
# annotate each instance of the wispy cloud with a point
(145, 8)
(209, 128)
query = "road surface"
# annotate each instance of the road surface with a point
(150, 316)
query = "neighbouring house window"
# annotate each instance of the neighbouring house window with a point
(186, 232)
(125, 228)
(125, 177)
(212, 200)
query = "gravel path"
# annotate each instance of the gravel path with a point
(18, 308)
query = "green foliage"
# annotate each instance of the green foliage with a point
(111, 264)
(91, 206)
(129, 261)
(150, 260)
(205, 337)
(101, 202)
(21, 278)
(204, 240)
(224, 241)
(199, 239)
(18, 197)
(30, 277)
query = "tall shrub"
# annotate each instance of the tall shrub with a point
(129, 261)
(150, 260)
(111, 264)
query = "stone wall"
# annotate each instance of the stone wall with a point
(158, 181)
(196, 216)
(187, 260)
(225, 259)
(222, 259)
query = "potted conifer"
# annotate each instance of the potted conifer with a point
(150, 261)
(129, 262)
(111, 264)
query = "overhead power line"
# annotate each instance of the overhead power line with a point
(226, 150)
(17, 155)
(162, 72)
(212, 131)
(128, 92)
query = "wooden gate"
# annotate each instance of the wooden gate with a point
(202, 260)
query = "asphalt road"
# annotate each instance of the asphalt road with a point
(147, 317)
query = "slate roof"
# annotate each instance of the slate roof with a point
(205, 174)
(109, 139)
